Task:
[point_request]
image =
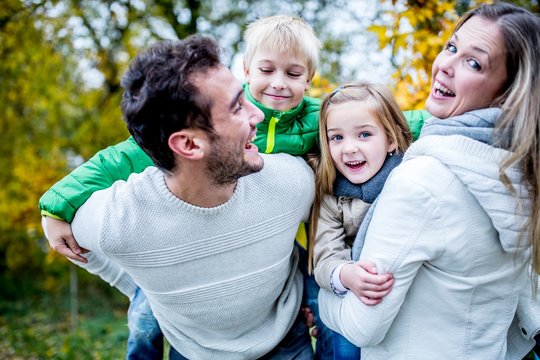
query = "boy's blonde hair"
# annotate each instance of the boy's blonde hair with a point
(383, 105)
(283, 34)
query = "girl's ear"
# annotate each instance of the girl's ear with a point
(187, 143)
(391, 147)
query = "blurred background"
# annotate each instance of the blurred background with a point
(60, 68)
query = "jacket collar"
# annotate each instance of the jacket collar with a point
(269, 113)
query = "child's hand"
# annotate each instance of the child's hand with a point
(362, 279)
(61, 239)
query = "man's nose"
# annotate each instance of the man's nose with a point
(255, 114)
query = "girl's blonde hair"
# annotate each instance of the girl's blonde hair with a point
(383, 105)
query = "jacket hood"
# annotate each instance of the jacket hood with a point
(463, 144)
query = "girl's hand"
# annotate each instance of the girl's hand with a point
(362, 279)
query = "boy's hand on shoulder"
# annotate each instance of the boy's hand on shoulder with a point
(60, 237)
(362, 279)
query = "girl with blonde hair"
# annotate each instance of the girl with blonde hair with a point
(363, 135)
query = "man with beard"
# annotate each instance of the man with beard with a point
(208, 234)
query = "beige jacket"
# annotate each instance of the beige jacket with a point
(338, 224)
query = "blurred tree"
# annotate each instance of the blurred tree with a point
(415, 31)
(62, 62)
(37, 117)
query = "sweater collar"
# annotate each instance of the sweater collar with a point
(269, 112)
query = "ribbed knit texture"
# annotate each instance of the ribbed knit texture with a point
(222, 282)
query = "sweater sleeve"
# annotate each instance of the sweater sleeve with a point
(109, 165)
(98, 264)
(415, 119)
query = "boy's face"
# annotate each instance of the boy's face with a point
(277, 80)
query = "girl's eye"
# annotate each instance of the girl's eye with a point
(294, 75)
(451, 47)
(474, 64)
(336, 137)
(265, 70)
(364, 135)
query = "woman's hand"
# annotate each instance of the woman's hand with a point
(362, 279)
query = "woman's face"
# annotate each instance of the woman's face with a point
(470, 72)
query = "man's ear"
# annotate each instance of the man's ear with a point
(246, 72)
(187, 143)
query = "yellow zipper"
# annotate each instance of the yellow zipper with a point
(271, 135)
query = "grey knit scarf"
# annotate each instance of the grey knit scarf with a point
(369, 190)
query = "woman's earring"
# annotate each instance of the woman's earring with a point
(391, 153)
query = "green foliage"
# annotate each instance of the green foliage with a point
(60, 73)
(38, 326)
(62, 62)
(415, 35)
(35, 122)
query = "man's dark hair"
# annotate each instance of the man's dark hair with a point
(160, 97)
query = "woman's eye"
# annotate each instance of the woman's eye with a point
(451, 47)
(474, 64)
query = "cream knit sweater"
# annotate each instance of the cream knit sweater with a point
(222, 282)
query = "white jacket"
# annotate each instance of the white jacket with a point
(452, 242)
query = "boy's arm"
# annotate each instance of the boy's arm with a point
(98, 264)
(61, 239)
(100, 172)
(415, 119)
(60, 203)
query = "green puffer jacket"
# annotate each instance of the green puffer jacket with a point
(119, 161)
(292, 132)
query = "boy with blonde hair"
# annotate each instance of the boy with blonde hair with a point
(281, 56)
(282, 53)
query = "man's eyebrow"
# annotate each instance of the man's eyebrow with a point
(234, 101)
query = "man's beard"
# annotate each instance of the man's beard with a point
(226, 165)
